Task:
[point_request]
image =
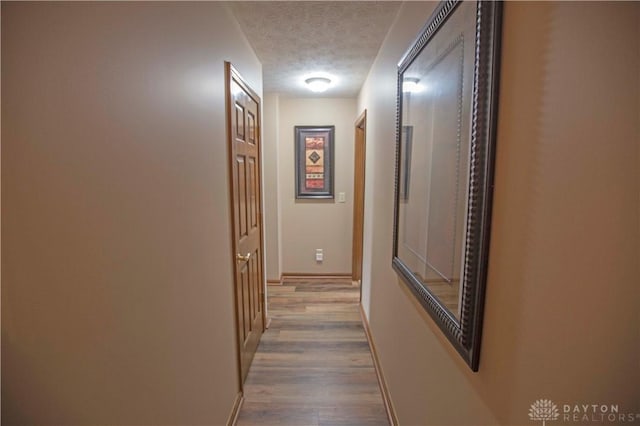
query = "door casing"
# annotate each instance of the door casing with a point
(358, 195)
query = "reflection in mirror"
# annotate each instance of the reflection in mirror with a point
(447, 83)
(436, 113)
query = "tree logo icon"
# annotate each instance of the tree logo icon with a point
(543, 409)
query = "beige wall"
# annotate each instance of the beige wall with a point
(561, 317)
(272, 216)
(310, 224)
(117, 271)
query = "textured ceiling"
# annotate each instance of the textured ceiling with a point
(297, 39)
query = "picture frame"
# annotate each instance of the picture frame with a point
(447, 93)
(314, 156)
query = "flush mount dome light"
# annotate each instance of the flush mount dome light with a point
(411, 85)
(318, 84)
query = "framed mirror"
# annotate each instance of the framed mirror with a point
(446, 125)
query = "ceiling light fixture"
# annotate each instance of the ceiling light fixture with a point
(411, 85)
(318, 84)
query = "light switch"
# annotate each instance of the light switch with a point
(341, 197)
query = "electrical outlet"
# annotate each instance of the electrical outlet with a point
(319, 255)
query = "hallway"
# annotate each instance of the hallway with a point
(313, 365)
(118, 304)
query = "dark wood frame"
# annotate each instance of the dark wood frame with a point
(465, 334)
(300, 132)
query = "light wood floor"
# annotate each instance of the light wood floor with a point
(313, 365)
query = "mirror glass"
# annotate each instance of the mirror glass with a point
(435, 138)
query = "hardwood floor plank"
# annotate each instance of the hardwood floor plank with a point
(313, 366)
(268, 414)
(313, 376)
(282, 345)
(354, 416)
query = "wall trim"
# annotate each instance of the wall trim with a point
(386, 397)
(235, 410)
(274, 282)
(289, 276)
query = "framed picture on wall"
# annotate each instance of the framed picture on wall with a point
(314, 161)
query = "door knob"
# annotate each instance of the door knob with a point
(242, 258)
